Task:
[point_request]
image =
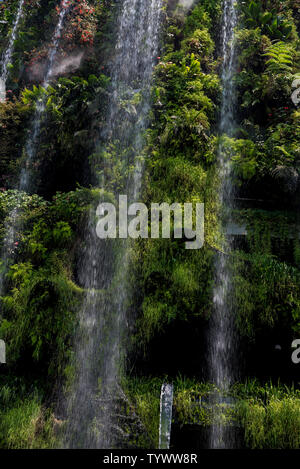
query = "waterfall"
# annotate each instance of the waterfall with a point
(9, 243)
(32, 141)
(7, 56)
(221, 335)
(93, 401)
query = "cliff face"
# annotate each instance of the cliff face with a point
(76, 161)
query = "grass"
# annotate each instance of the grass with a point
(24, 423)
(269, 414)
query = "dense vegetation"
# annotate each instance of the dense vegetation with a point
(173, 301)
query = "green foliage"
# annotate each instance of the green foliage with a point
(144, 395)
(243, 155)
(24, 422)
(199, 43)
(176, 284)
(206, 13)
(13, 116)
(272, 24)
(280, 58)
(39, 315)
(267, 294)
(42, 299)
(23, 427)
(268, 414)
(272, 426)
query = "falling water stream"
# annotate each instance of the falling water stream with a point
(92, 404)
(31, 146)
(104, 273)
(7, 56)
(32, 141)
(221, 336)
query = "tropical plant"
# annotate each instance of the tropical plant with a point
(272, 24)
(281, 57)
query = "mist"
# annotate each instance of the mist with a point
(186, 3)
(67, 65)
(63, 65)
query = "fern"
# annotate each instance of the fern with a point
(281, 58)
